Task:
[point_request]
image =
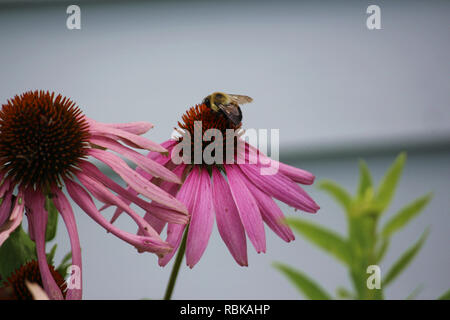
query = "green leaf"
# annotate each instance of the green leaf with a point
(415, 293)
(389, 182)
(65, 263)
(339, 193)
(343, 293)
(328, 240)
(67, 258)
(405, 259)
(17, 250)
(382, 250)
(405, 215)
(52, 223)
(445, 296)
(304, 284)
(365, 179)
(51, 255)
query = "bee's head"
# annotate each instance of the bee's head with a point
(215, 99)
(207, 101)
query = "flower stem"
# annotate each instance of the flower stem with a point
(176, 267)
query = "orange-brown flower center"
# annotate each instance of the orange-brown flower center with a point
(31, 273)
(209, 120)
(42, 137)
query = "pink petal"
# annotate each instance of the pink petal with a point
(136, 181)
(84, 201)
(100, 192)
(138, 128)
(15, 218)
(130, 195)
(155, 156)
(126, 137)
(156, 223)
(65, 209)
(5, 186)
(5, 207)
(39, 216)
(186, 194)
(271, 213)
(166, 214)
(160, 210)
(247, 208)
(281, 188)
(158, 157)
(146, 164)
(174, 236)
(297, 175)
(202, 218)
(228, 220)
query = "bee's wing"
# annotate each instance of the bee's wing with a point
(232, 112)
(239, 99)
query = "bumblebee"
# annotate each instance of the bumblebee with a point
(227, 105)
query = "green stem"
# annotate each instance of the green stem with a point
(176, 267)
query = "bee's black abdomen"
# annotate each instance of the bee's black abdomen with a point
(235, 119)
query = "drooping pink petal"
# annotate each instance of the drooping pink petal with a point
(163, 213)
(127, 137)
(186, 194)
(4, 187)
(85, 202)
(202, 218)
(280, 187)
(139, 127)
(130, 195)
(5, 207)
(100, 192)
(145, 163)
(228, 221)
(155, 156)
(15, 218)
(247, 208)
(155, 209)
(174, 236)
(271, 213)
(65, 209)
(29, 199)
(255, 156)
(36, 200)
(158, 157)
(296, 174)
(155, 222)
(136, 181)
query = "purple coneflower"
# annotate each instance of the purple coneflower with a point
(17, 286)
(239, 195)
(44, 143)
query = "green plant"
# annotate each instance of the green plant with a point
(366, 242)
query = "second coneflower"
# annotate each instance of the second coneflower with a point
(235, 193)
(44, 144)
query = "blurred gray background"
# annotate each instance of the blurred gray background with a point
(337, 91)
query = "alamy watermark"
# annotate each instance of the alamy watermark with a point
(374, 280)
(73, 280)
(373, 22)
(73, 21)
(235, 147)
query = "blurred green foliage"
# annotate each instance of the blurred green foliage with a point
(19, 249)
(366, 242)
